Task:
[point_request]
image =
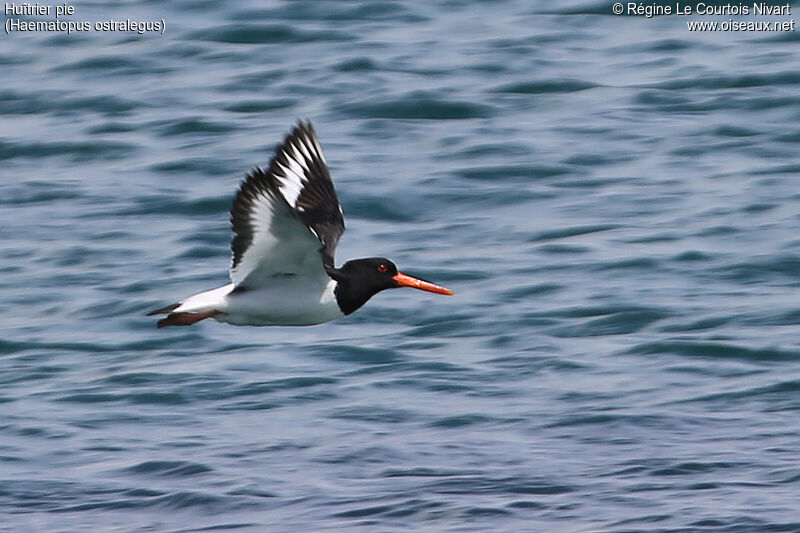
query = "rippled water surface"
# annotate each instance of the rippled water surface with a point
(614, 201)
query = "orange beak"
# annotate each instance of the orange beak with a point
(407, 281)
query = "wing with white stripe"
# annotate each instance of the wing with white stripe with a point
(303, 178)
(286, 221)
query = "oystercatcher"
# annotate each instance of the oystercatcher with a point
(286, 223)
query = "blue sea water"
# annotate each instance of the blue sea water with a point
(613, 199)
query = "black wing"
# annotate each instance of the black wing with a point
(303, 178)
(275, 212)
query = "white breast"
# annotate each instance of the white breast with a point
(292, 302)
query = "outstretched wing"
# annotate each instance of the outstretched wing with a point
(286, 220)
(302, 173)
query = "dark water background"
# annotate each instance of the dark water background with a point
(614, 200)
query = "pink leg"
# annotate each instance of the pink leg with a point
(185, 319)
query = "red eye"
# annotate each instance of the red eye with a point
(382, 268)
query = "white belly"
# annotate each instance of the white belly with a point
(292, 302)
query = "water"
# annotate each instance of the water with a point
(613, 199)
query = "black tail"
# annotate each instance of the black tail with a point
(164, 310)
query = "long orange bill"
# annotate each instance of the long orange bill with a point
(407, 281)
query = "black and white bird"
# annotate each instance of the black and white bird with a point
(286, 223)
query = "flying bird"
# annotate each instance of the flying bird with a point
(286, 223)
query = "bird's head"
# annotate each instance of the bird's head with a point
(360, 279)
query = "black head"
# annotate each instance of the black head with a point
(360, 279)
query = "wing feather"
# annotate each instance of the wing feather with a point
(286, 220)
(300, 168)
